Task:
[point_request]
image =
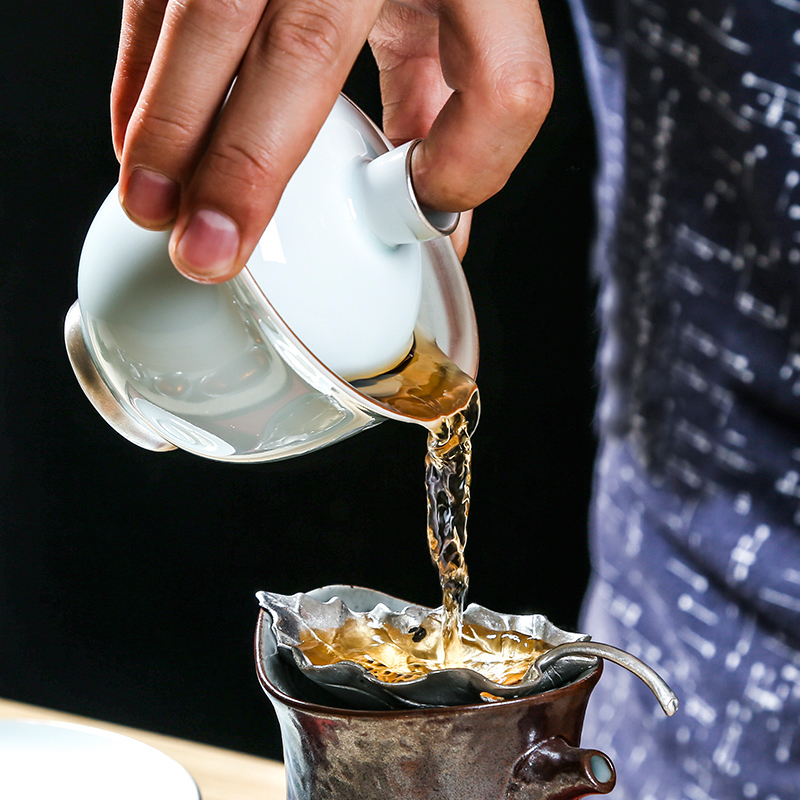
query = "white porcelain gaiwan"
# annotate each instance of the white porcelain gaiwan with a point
(262, 367)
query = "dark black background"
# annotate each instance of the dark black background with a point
(127, 577)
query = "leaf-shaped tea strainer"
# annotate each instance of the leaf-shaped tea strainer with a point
(295, 619)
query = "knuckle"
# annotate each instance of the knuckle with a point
(164, 131)
(218, 19)
(525, 92)
(223, 11)
(312, 33)
(241, 163)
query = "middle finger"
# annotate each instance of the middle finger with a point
(289, 80)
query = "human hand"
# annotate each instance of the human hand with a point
(471, 77)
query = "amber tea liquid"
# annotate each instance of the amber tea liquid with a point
(394, 655)
(427, 386)
(447, 479)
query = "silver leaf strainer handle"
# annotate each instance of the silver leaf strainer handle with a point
(665, 696)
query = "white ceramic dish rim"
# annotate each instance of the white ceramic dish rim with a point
(50, 758)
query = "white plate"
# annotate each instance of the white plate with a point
(63, 761)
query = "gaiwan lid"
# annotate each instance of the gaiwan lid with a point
(340, 262)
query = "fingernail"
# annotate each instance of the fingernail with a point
(209, 245)
(151, 198)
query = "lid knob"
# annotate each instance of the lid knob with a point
(394, 213)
